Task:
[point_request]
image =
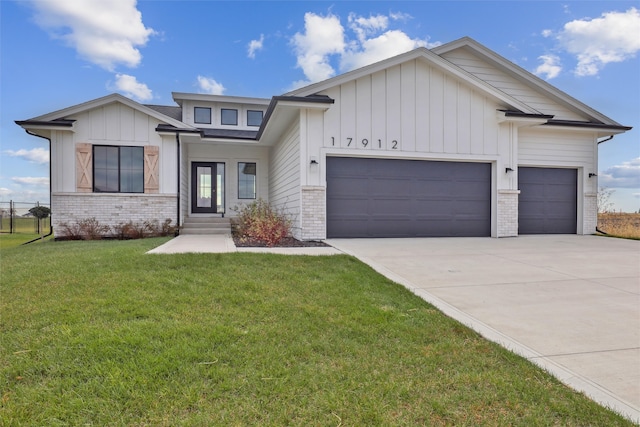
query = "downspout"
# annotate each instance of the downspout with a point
(50, 222)
(179, 189)
(600, 142)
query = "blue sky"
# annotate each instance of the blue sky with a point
(58, 53)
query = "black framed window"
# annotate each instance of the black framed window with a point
(118, 169)
(229, 117)
(254, 118)
(202, 115)
(246, 180)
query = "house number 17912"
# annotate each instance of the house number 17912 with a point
(365, 143)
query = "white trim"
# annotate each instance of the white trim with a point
(105, 100)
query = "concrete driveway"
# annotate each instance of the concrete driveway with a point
(570, 304)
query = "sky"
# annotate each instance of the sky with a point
(59, 53)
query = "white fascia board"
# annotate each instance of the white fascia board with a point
(31, 127)
(524, 75)
(105, 100)
(429, 57)
(179, 96)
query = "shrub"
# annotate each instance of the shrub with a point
(260, 221)
(91, 229)
(84, 229)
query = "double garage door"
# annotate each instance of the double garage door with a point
(407, 198)
(414, 198)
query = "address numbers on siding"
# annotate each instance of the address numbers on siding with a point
(364, 143)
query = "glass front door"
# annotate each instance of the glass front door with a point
(207, 187)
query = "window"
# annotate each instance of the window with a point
(202, 115)
(246, 180)
(254, 118)
(118, 169)
(229, 117)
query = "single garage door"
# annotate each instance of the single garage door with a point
(548, 201)
(407, 198)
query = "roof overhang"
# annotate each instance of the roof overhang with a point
(36, 125)
(283, 110)
(522, 119)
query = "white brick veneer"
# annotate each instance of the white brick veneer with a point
(111, 209)
(313, 219)
(590, 218)
(508, 213)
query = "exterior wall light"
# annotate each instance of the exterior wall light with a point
(313, 161)
(507, 170)
(591, 174)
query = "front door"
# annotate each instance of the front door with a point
(204, 187)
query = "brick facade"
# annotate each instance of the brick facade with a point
(313, 219)
(508, 213)
(590, 218)
(111, 209)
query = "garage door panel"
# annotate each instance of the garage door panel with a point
(548, 200)
(408, 198)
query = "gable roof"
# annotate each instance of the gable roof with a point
(60, 116)
(516, 104)
(527, 78)
(428, 56)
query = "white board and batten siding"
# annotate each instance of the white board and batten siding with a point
(111, 124)
(510, 85)
(410, 110)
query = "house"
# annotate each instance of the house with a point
(452, 141)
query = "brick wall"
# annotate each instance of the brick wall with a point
(111, 209)
(313, 215)
(508, 213)
(590, 217)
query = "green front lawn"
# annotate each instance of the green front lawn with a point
(98, 333)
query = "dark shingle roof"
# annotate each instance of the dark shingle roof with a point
(168, 110)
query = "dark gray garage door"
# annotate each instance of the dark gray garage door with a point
(548, 201)
(407, 198)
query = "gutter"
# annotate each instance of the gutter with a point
(50, 221)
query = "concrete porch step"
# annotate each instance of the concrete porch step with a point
(206, 225)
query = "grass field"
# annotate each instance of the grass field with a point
(625, 225)
(22, 225)
(98, 333)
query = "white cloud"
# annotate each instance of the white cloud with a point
(255, 45)
(364, 27)
(105, 33)
(626, 175)
(323, 36)
(30, 180)
(391, 43)
(549, 68)
(130, 87)
(613, 37)
(636, 195)
(210, 86)
(5, 192)
(35, 155)
(547, 33)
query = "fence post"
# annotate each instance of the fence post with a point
(37, 221)
(10, 216)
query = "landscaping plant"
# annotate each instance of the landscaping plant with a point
(262, 222)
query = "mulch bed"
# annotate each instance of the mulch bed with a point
(287, 242)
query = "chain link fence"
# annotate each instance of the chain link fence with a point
(15, 218)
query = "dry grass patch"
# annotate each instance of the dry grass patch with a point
(625, 225)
